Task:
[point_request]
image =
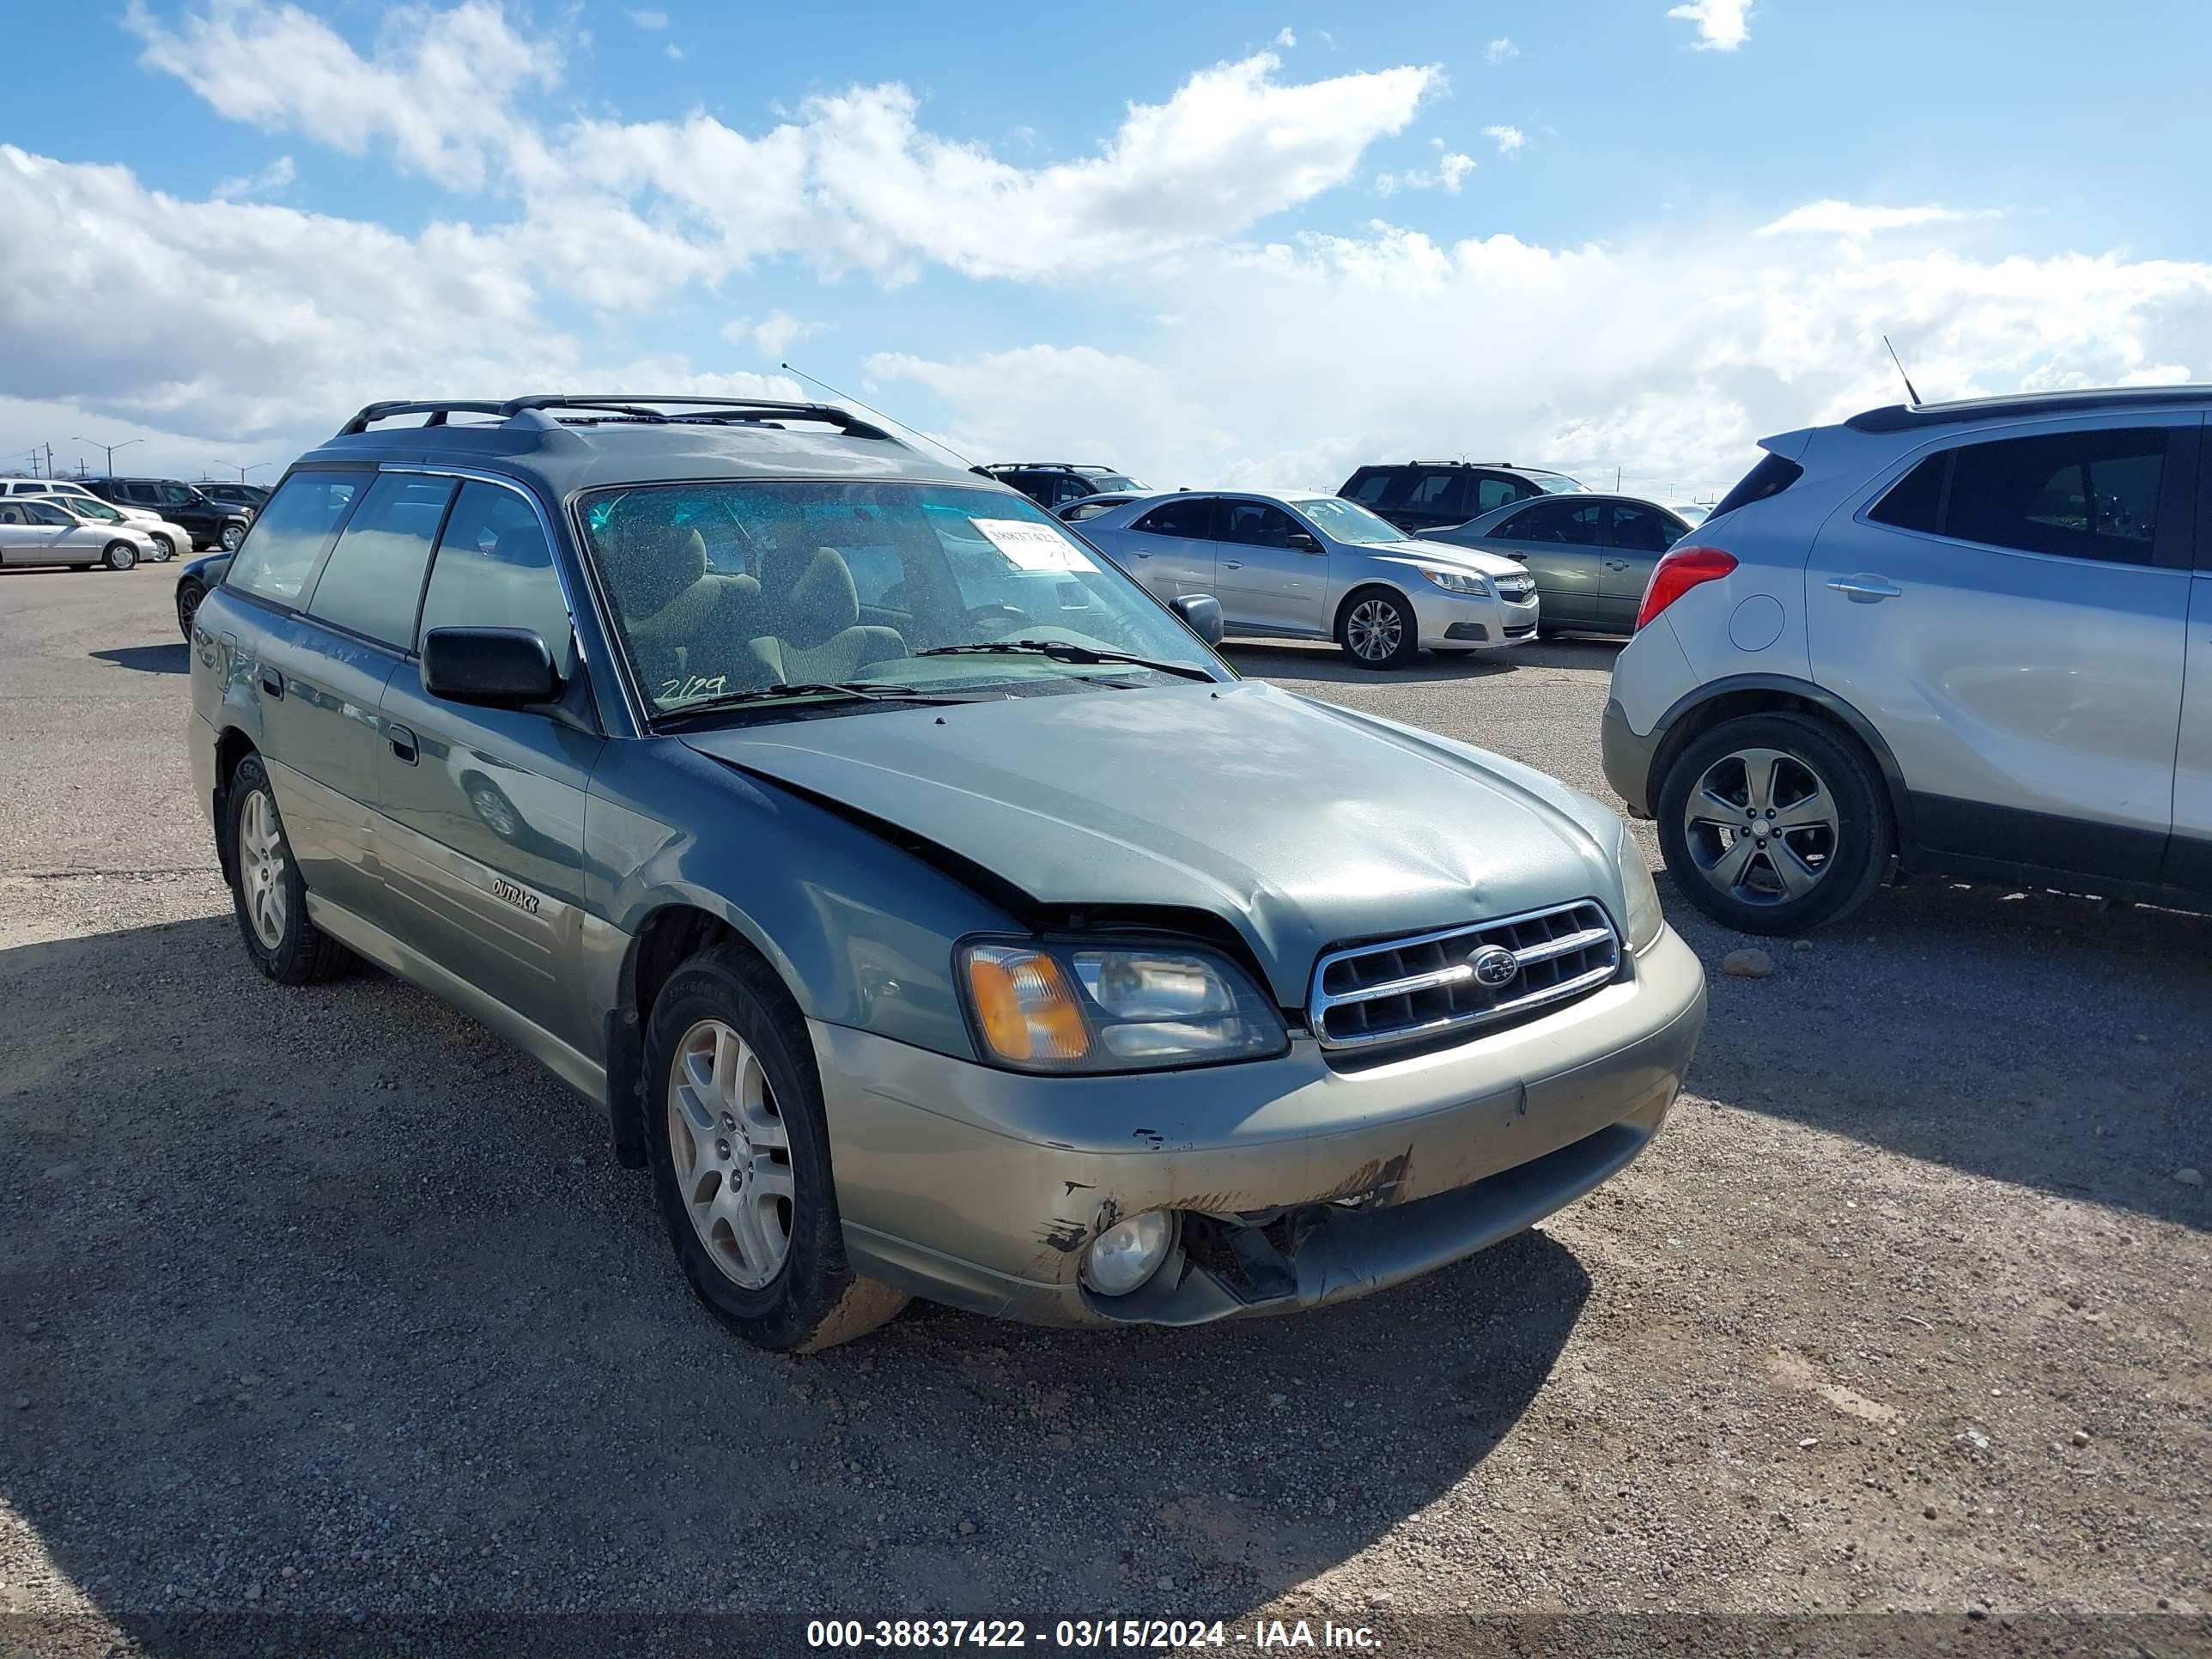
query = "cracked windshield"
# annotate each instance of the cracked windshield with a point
(724, 589)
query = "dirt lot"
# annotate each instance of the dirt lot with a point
(327, 1302)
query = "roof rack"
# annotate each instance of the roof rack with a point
(1899, 417)
(621, 407)
(1073, 466)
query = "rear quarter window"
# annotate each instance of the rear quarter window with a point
(281, 551)
(1773, 475)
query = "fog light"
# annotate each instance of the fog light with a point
(1128, 1253)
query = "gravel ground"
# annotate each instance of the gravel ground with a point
(327, 1302)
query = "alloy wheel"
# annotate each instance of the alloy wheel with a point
(263, 860)
(1375, 630)
(731, 1153)
(232, 536)
(1762, 826)
(188, 608)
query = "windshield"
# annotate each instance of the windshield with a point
(1348, 521)
(722, 588)
(1100, 480)
(86, 507)
(1554, 483)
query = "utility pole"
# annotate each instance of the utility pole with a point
(50, 460)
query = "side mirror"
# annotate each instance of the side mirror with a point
(1303, 543)
(497, 667)
(1201, 612)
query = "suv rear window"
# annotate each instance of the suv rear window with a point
(1773, 475)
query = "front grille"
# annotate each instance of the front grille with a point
(1408, 989)
(1516, 590)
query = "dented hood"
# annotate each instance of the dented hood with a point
(1302, 824)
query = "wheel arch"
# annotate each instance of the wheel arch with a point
(1700, 710)
(232, 746)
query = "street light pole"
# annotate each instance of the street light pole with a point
(250, 466)
(110, 448)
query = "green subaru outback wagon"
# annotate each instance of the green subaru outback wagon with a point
(925, 904)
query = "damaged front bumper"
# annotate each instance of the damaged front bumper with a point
(1297, 1183)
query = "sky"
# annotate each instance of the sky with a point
(1224, 245)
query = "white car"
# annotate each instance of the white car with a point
(1316, 566)
(45, 533)
(169, 539)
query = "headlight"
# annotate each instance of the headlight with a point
(1458, 581)
(1645, 920)
(1086, 1008)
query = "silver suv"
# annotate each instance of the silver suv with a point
(923, 901)
(1971, 638)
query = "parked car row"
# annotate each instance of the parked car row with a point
(179, 517)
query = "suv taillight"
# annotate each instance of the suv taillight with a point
(1684, 568)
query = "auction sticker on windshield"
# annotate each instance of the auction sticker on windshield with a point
(1032, 546)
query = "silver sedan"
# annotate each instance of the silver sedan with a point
(35, 532)
(1319, 567)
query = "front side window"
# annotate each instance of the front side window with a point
(993, 594)
(1188, 516)
(494, 569)
(181, 495)
(1556, 522)
(279, 553)
(1644, 529)
(1255, 523)
(374, 576)
(144, 495)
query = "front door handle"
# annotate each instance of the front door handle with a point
(1865, 589)
(272, 683)
(1616, 564)
(403, 744)
(1232, 564)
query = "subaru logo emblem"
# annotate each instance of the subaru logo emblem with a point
(1494, 966)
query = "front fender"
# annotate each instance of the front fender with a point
(860, 930)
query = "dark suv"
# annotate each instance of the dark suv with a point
(1054, 484)
(209, 523)
(1437, 494)
(248, 495)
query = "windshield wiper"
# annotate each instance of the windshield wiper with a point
(1064, 651)
(838, 690)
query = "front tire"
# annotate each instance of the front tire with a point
(739, 1146)
(1378, 629)
(188, 606)
(232, 536)
(164, 549)
(120, 556)
(1775, 824)
(266, 889)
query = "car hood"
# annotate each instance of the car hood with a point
(1302, 824)
(1437, 553)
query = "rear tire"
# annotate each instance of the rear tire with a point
(266, 889)
(1378, 629)
(739, 1146)
(188, 606)
(120, 556)
(1775, 824)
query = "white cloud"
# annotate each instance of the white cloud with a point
(1285, 37)
(1834, 218)
(267, 182)
(1723, 25)
(773, 335)
(650, 20)
(1450, 171)
(1499, 50)
(675, 53)
(1508, 139)
(854, 181)
(1669, 356)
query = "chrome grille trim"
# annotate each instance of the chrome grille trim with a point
(1403, 990)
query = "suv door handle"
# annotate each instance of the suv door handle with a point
(403, 744)
(272, 683)
(1865, 589)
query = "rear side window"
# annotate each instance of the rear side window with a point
(2086, 494)
(1556, 520)
(1254, 524)
(494, 569)
(291, 533)
(1437, 489)
(1773, 475)
(373, 577)
(1190, 516)
(1644, 529)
